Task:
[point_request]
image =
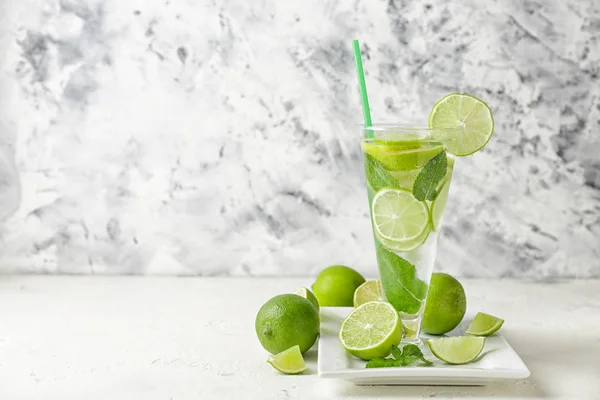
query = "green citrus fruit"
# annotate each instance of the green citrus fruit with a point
(484, 325)
(285, 321)
(464, 122)
(308, 295)
(335, 286)
(457, 349)
(289, 361)
(371, 330)
(445, 306)
(368, 291)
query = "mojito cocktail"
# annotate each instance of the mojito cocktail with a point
(408, 175)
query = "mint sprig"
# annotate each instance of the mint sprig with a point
(428, 180)
(377, 176)
(409, 355)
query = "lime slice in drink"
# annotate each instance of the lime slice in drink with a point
(405, 245)
(468, 121)
(401, 222)
(368, 291)
(457, 349)
(406, 179)
(402, 155)
(484, 325)
(289, 361)
(308, 295)
(371, 330)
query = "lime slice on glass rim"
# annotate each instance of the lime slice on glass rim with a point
(370, 330)
(289, 361)
(400, 221)
(368, 291)
(484, 325)
(457, 349)
(465, 123)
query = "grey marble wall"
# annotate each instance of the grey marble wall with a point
(218, 137)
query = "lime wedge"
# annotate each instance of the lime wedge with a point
(368, 291)
(400, 221)
(289, 361)
(308, 295)
(468, 121)
(457, 349)
(370, 330)
(484, 325)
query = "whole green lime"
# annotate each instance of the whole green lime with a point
(446, 304)
(287, 320)
(335, 286)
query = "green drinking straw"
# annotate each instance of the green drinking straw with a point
(363, 87)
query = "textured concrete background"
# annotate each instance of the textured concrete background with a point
(217, 138)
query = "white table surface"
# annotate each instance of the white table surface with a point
(193, 338)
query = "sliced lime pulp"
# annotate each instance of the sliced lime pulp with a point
(484, 325)
(289, 361)
(370, 330)
(368, 291)
(400, 221)
(457, 349)
(463, 122)
(308, 295)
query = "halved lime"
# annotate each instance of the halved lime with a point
(465, 123)
(400, 219)
(289, 361)
(457, 349)
(370, 330)
(308, 295)
(484, 325)
(368, 291)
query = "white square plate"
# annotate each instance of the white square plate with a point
(498, 361)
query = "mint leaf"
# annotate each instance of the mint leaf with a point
(377, 176)
(403, 289)
(382, 363)
(428, 180)
(411, 354)
(396, 353)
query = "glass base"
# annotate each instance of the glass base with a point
(412, 330)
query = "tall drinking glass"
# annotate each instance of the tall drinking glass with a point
(408, 179)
